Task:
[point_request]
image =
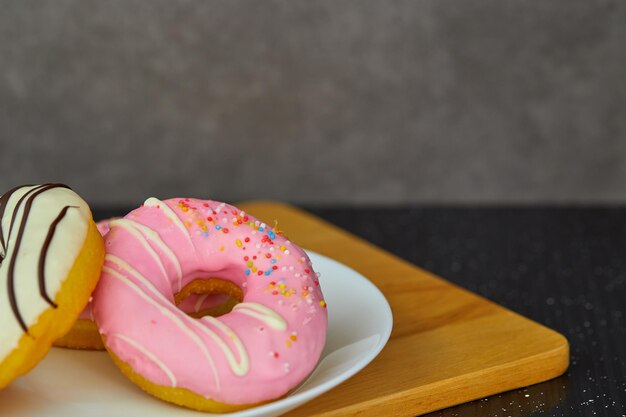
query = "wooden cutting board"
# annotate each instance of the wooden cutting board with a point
(448, 345)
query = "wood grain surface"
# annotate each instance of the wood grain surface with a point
(448, 345)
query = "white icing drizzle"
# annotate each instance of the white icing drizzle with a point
(143, 233)
(155, 202)
(149, 355)
(199, 302)
(239, 368)
(263, 313)
(122, 264)
(166, 312)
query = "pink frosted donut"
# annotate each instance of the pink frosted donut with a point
(264, 347)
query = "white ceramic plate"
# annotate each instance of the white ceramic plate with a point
(73, 383)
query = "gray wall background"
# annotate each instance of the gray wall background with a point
(333, 101)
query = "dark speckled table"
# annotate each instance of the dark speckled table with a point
(563, 267)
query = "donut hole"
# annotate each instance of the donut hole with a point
(208, 297)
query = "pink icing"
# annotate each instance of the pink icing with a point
(160, 247)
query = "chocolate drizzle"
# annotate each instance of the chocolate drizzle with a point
(44, 253)
(4, 200)
(30, 198)
(16, 209)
